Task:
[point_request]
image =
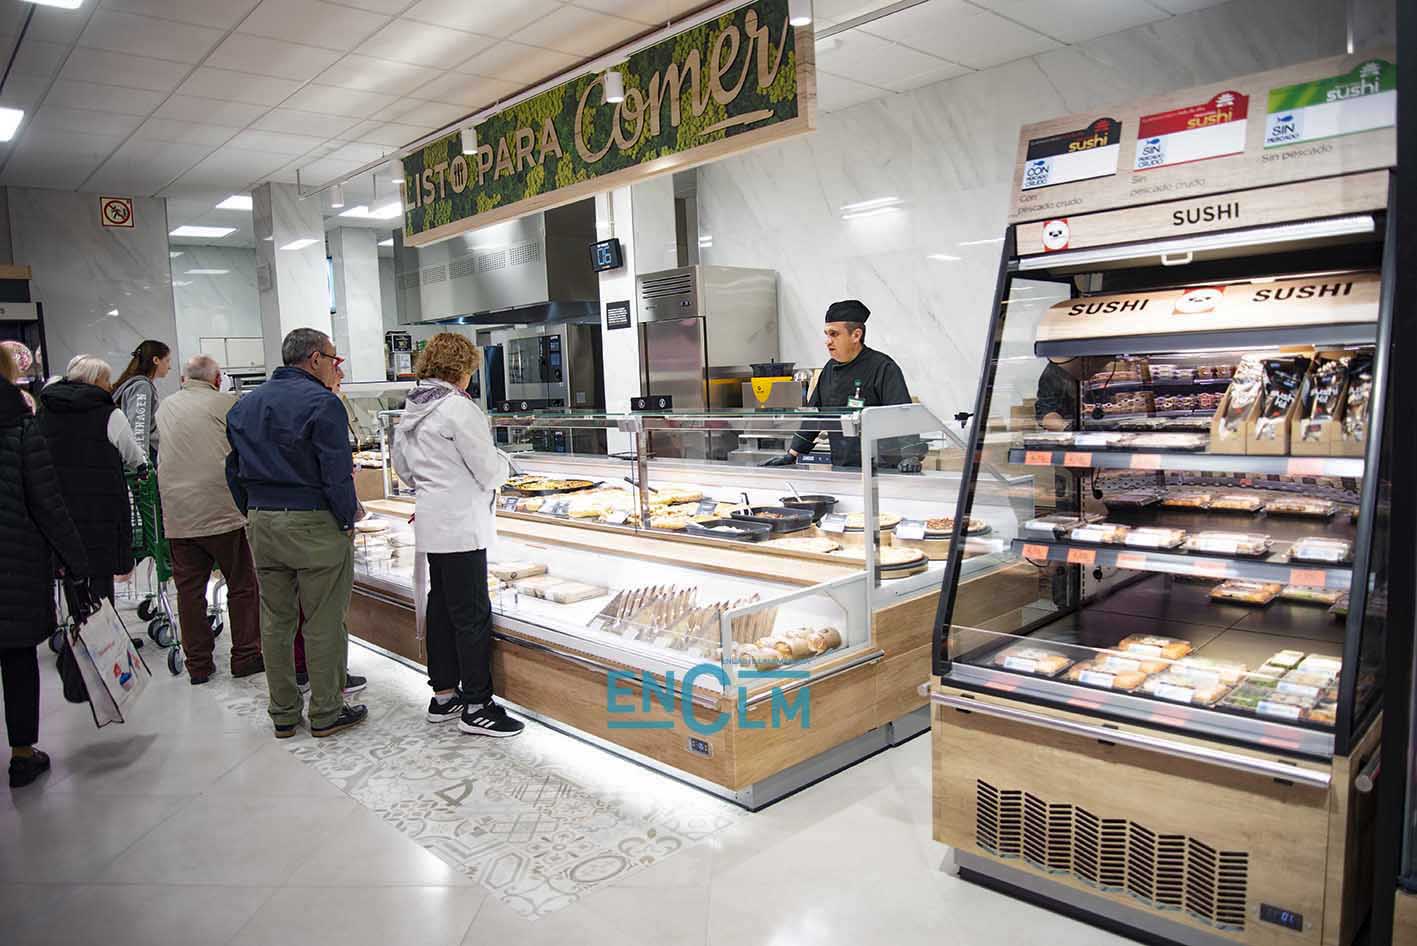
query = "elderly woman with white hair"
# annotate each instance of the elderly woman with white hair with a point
(91, 443)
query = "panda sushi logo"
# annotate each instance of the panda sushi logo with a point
(1056, 235)
(1199, 301)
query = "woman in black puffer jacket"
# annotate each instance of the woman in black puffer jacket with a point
(34, 526)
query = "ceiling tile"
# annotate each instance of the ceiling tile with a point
(941, 73)
(328, 100)
(134, 72)
(1186, 6)
(65, 170)
(1077, 20)
(839, 11)
(50, 25)
(959, 32)
(82, 121)
(222, 14)
(231, 86)
(275, 142)
(271, 57)
(59, 143)
(359, 152)
(110, 98)
(35, 58)
(835, 93)
(145, 167)
(314, 173)
(514, 62)
(582, 32)
(378, 75)
(23, 92)
(648, 12)
(148, 36)
(499, 18)
(189, 108)
(312, 23)
(296, 122)
(179, 132)
(424, 44)
(865, 58)
(424, 114)
(391, 134)
(472, 92)
(226, 166)
(390, 7)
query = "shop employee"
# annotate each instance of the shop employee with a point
(855, 377)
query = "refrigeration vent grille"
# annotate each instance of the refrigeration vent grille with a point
(1162, 871)
(435, 274)
(408, 280)
(667, 286)
(525, 253)
(491, 260)
(462, 266)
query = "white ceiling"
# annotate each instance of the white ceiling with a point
(197, 99)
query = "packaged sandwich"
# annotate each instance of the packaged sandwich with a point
(1302, 594)
(1154, 538)
(1249, 694)
(1340, 607)
(1325, 713)
(1288, 659)
(1284, 705)
(1301, 506)
(1029, 658)
(1317, 663)
(1170, 441)
(1230, 543)
(1225, 671)
(1246, 592)
(1321, 549)
(1103, 532)
(1187, 499)
(1109, 672)
(1132, 499)
(1181, 686)
(1055, 526)
(1150, 645)
(1236, 502)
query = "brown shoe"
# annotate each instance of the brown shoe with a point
(349, 716)
(249, 669)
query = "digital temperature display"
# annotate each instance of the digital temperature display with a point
(1279, 917)
(606, 255)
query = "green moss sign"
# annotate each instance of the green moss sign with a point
(728, 84)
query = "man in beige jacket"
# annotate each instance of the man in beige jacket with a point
(202, 522)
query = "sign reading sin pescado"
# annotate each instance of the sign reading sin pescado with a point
(1078, 155)
(1360, 100)
(723, 86)
(1212, 129)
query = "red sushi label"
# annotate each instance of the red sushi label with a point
(1226, 107)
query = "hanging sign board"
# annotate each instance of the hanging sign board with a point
(740, 80)
(1311, 300)
(1319, 119)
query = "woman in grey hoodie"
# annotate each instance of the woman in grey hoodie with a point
(136, 395)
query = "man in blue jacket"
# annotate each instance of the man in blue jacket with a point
(291, 472)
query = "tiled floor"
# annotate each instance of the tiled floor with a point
(191, 825)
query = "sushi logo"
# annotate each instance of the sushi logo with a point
(655, 707)
(1199, 301)
(1225, 100)
(1056, 235)
(1036, 173)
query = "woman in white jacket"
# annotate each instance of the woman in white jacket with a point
(443, 449)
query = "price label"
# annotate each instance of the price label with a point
(1081, 556)
(1097, 679)
(1039, 552)
(1077, 459)
(1282, 710)
(558, 508)
(835, 523)
(1144, 461)
(509, 503)
(1146, 650)
(1131, 560)
(1298, 689)
(1305, 466)
(913, 529)
(1176, 694)
(707, 506)
(1038, 458)
(1307, 577)
(617, 517)
(1023, 664)
(1212, 568)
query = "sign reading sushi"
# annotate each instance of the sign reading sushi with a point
(1360, 100)
(1078, 155)
(1211, 129)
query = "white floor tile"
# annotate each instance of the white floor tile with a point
(364, 849)
(74, 838)
(142, 915)
(272, 772)
(363, 916)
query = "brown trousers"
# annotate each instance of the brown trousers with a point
(192, 561)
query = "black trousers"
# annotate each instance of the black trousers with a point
(459, 624)
(19, 678)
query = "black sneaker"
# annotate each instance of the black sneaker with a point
(302, 680)
(199, 679)
(443, 712)
(489, 720)
(25, 769)
(286, 731)
(349, 716)
(353, 683)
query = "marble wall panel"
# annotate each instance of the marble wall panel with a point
(928, 270)
(218, 300)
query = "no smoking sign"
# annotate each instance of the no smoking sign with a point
(116, 211)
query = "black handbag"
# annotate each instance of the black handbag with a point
(75, 690)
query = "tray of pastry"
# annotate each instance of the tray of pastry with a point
(1236, 502)
(1247, 544)
(1108, 671)
(1302, 594)
(1103, 533)
(944, 526)
(1246, 592)
(1182, 685)
(1131, 499)
(1163, 441)
(513, 571)
(1301, 506)
(1187, 499)
(544, 486)
(1030, 658)
(1322, 550)
(1155, 646)
(1147, 537)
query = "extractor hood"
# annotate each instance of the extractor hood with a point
(533, 269)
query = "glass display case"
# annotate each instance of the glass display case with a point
(364, 401)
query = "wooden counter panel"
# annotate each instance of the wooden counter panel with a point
(1352, 827)
(1404, 919)
(898, 683)
(390, 626)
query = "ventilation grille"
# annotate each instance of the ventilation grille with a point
(524, 253)
(658, 288)
(435, 274)
(1162, 871)
(462, 266)
(408, 281)
(491, 261)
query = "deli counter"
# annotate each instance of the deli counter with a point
(737, 627)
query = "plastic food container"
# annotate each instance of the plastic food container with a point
(1179, 686)
(1246, 592)
(1301, 506)
(1134, 499)
(1305, 595)
(1150, 645)
(1250, 544)
(1056, 525)
(1102, 532)
(1236, 502)
(1187, 501)
(1320, 549)
(1029, 658)
(1048, 439)
(1169, 441)
(1154, 538)
(1109, 672)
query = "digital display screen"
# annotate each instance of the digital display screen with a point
(606, 255)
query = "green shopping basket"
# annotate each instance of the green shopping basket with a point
(149, 541)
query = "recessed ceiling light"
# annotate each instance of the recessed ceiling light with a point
(207, 272)
(388, 211)
(614, 87)
(216, 233)
(299, 244)
(871, 204)
(173, 254)
(61, 4)
(799, 12)
(236, 202)
(944, 257)
(337, 197)
(872, 212)
(388, 242)
(10, 119)
(981, 242)
(358, 210)
(113, 313)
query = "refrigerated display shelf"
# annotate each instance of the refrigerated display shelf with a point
(1198, 462)
(1273, 567)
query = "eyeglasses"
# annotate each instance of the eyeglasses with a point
(333, 357)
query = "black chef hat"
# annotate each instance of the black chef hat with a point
(848, 310)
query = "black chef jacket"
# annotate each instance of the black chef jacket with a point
(881, 383)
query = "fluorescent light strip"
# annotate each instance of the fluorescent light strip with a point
(61, 4)
(982, 242)
(873, 212)
(869, 204)
(388, 242)
(187, 230)
(944, 257)
(236, 202)
(300, 244)
(10, 119)
(207, 272)
(171, 254)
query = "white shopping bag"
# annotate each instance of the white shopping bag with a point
(112, 668)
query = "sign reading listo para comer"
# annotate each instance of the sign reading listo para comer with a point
(742, 79)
